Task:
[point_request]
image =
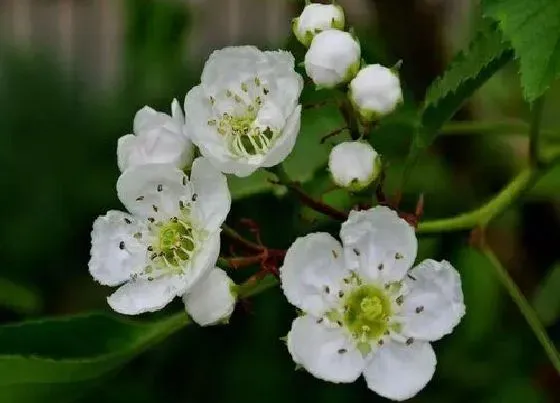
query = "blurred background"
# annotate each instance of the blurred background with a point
(74, 72)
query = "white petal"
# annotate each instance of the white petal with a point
(312, 272)
(141, 295)
(398, 371)
(285, 144)
(177, 114)
(142, 187)
(204, 260)
(434, 305)
(316, 18)
(213, 199)
(115, 254)
(325, 352)
(212, 299)
(147, 118)
(384, 244)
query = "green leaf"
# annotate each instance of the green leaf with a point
(68, 353)
(18, 298)
(547, 298)
(467, 72)
(533, 27)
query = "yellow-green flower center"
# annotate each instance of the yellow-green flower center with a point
(367, 311)
(175, 244)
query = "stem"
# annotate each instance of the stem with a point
(534, 131)
(349, 116)
(526, 310)
(306, 199)
(230, 232)
(497, 128)
(255, 286)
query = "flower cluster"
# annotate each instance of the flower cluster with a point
(365, 310)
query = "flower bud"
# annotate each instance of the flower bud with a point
(333, 58)
(316, 18)
(354, 165)
(375, 92)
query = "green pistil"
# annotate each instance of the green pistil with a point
(175, 243)
(367, 310)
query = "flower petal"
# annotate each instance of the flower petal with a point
(115, 254)
(204, 260)
(211, 299)
(398, 371)
(384, 245)
(286, 142)
(312, 272)
(325, 352)
(434, 305)
(213, 199)
(154, 190)
(141, 295)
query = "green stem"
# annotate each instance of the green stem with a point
(534, 131)
(526, 310)
(498, 128)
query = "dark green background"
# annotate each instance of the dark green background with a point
(58, 173)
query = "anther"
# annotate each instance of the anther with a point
(174, 219)
(419, 309)
(381, 266)
(153, 256)
(409, 341)
(181, 205)
(184, 181)
(265, 91)
(140, 198)
(335, 255)
(150, 248)
(400, 300)
(121, 245)
(341, 294)
(159, 187)
(339, 323)
(194, 197)
(380, 342)
(398, 256)
(154, 207)
(411, 277)
(342, 351)
(126, 220)
(327, 289)
(151, 219)
(356, 251)
(320, 320)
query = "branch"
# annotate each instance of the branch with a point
(526, 310)
(309, 201)
(524, 181)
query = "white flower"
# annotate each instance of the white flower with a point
(245, 113)
(158, 138)
(316, 18)
(354, 164)
(212, 300)
(366, 312)
(375, 92)
(167, 243)
(333, 58)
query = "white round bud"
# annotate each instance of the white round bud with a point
(354, 165)
(316, 18)
(375, 92)
(333, 58)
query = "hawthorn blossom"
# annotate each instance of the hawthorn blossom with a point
(167, 244)
(316, 18)
(366, 310)
(354, 165)
(245, 114)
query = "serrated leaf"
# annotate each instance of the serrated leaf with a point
(547, 298)
(68, 353)
(470, 69)
(533, 27)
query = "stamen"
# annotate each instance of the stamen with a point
(398, 256)
(381, 266)
(121, 245)
(342, 351)
(327, 289)
(140, 198)
(356, 251)
(126, 220)
(419, 309)
(335, 255)
(409, 341)
(400, 300)
(154, 207)
(184, 181)
(159, 187)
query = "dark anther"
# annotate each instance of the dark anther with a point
(335, 255)
(320, 320)
(155, 208)
(409, 341)
(151, 219)
(411, 277)
(174, 219)
(153, 256)
(356, 251)
(181, 205)
(184, 181)
(400, 300)
(398, 256)
(121, 245)
(126, 220)
(140, 198)
(380, 342)
(342, 351)
(327, 289)
(419, 309)
(341, 294)
(194, 197)
(381, 266)
(159, 187)
(150, 248)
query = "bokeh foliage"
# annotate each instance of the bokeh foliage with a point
(57, 155)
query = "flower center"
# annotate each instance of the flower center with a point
(367, 310)
(174, 245)
(237, 125)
